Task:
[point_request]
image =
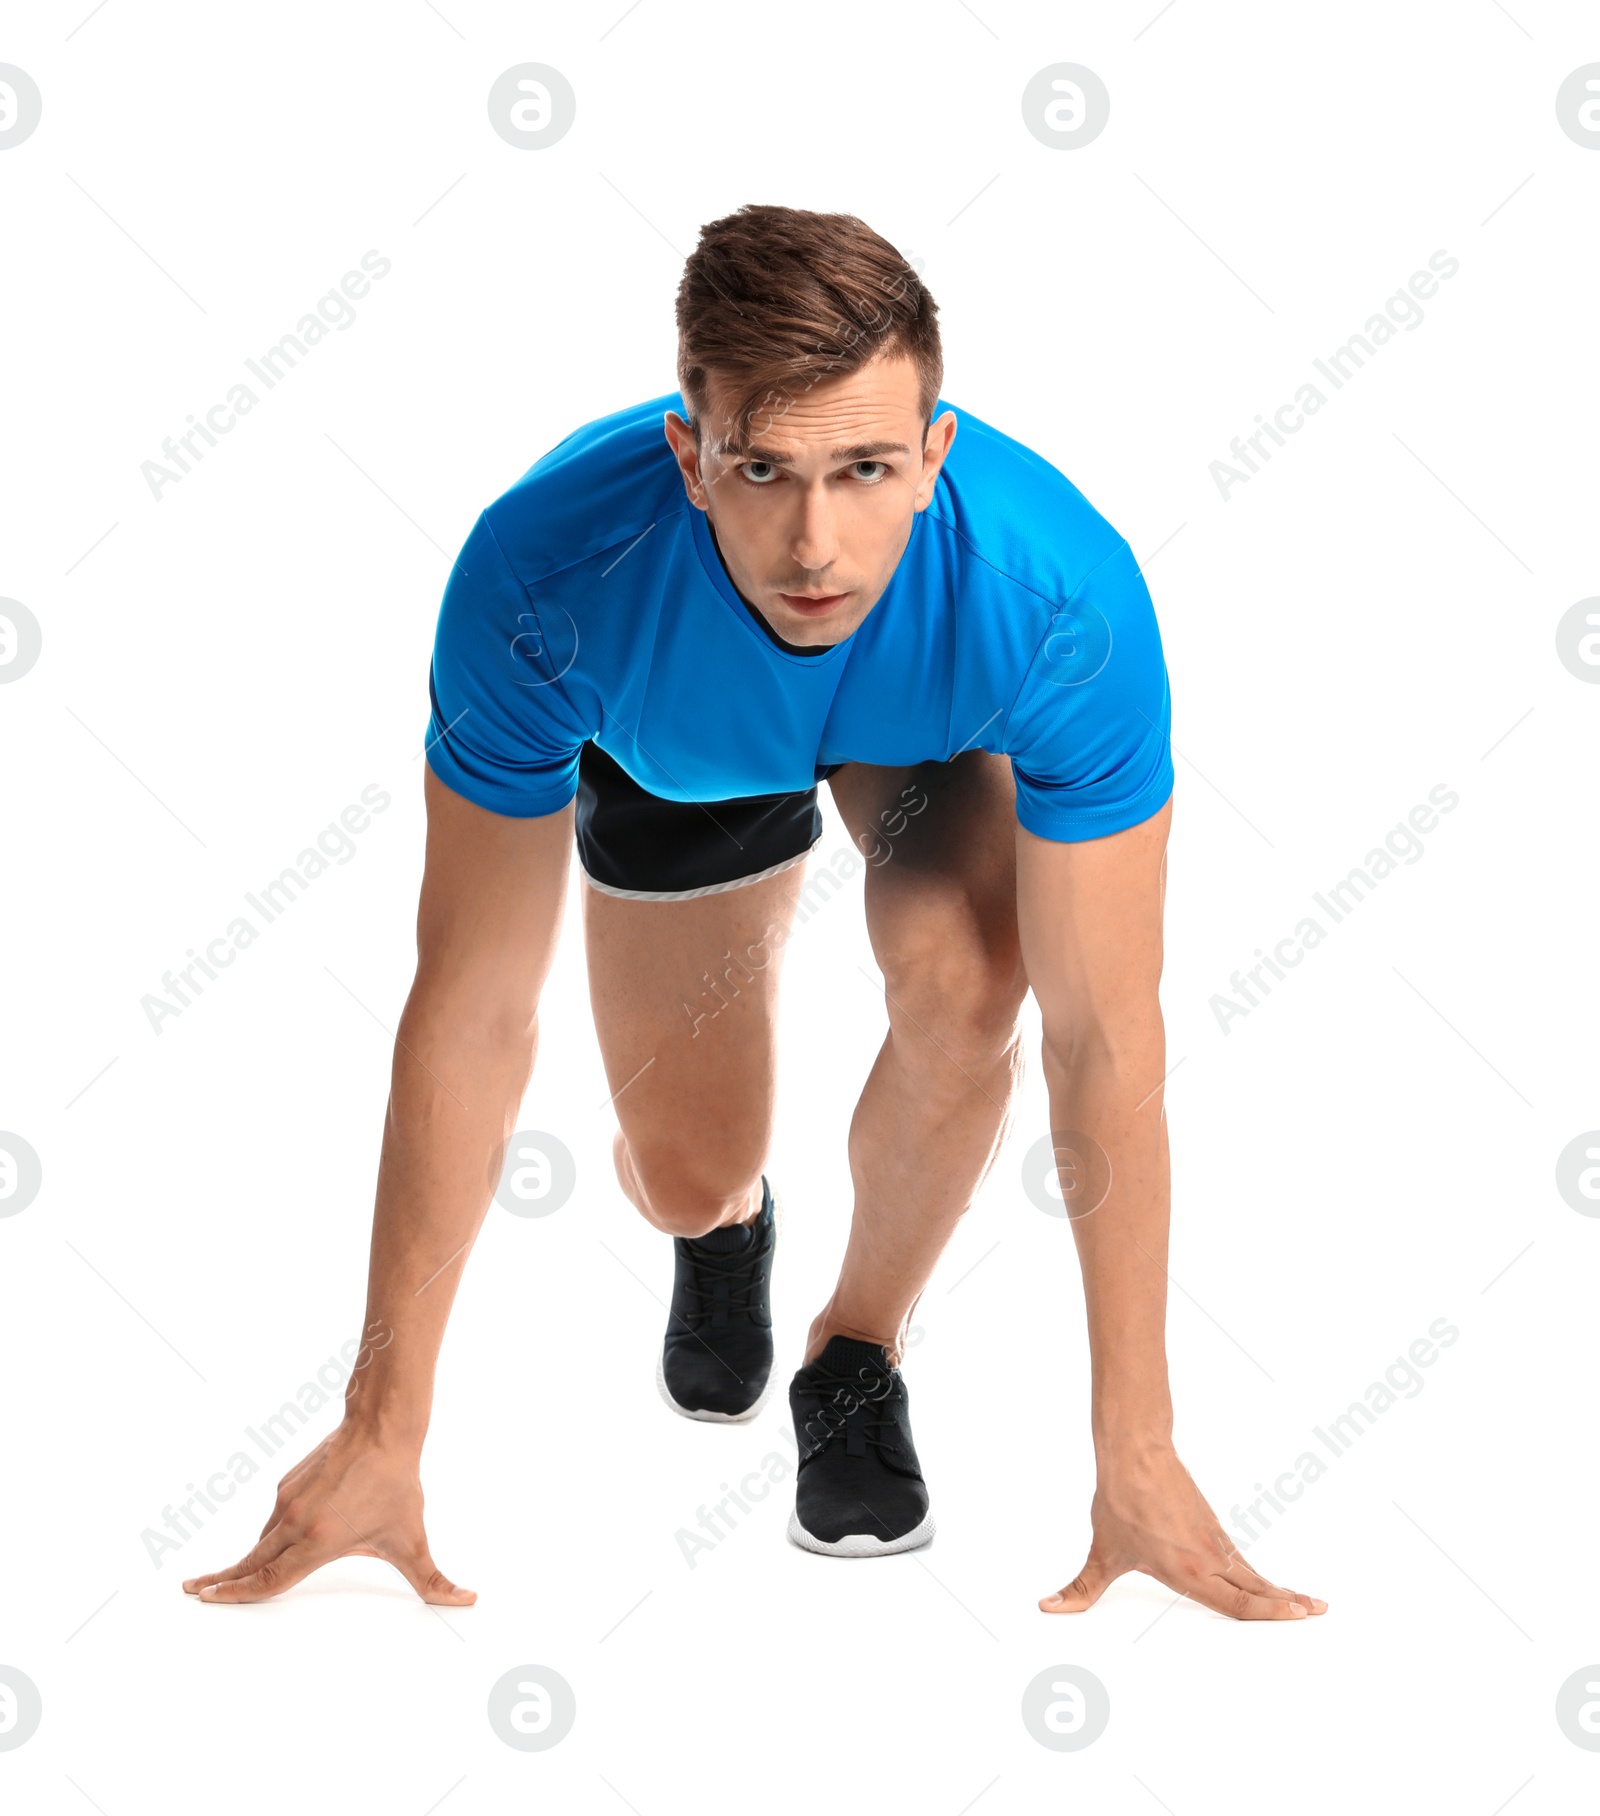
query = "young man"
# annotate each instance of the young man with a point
(663, 642)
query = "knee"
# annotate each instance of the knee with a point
(957, 976)
(683, 1196)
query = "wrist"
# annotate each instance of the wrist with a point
(387, 1421)
(1123, 1445)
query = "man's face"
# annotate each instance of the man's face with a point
(813, 512)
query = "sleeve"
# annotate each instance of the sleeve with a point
(1089, 735)
(503, 731)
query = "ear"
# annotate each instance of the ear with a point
(935, 447)
(680, 436)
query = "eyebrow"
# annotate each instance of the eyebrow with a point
(862, 450)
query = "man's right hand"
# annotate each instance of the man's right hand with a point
(493, 891)
(351, 1497)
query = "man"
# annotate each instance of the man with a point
(662, 643)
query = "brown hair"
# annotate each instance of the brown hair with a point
(775, 300)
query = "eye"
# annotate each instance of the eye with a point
(764, 472)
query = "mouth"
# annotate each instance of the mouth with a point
(812, 605)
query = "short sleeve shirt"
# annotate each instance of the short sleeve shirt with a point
(589, 602)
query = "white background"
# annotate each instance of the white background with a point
(1371, 1149)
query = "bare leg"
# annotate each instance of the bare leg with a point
(685, 999)
(941, 910)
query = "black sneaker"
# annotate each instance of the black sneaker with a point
(858, 1485)
(716, 1358)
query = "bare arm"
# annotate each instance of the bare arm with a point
(1089, 916)
(487, 925)
(493, 889)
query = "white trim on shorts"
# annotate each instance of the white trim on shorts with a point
(689, 895)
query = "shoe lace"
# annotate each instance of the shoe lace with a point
(837, 1414)
(729, 1280)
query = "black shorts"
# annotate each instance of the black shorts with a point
(634, 843)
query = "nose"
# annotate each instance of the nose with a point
(816, 543)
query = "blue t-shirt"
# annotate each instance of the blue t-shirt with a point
(589, 602)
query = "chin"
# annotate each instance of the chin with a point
(817, 632)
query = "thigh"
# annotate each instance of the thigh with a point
(685, 997)
(939, 843)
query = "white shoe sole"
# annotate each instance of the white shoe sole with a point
(861, 1544)
(727, 1418)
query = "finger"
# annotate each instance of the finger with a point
(1239, 1572)
(1314, 1603)
(272, 1578)
(1223, 1597)
(252, 1561)
(1084, 1590)
(430, 1582)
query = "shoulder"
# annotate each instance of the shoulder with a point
(1004, 506)
(604, 486)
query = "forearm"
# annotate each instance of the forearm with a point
(455, 1090)
(1109, 1091)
